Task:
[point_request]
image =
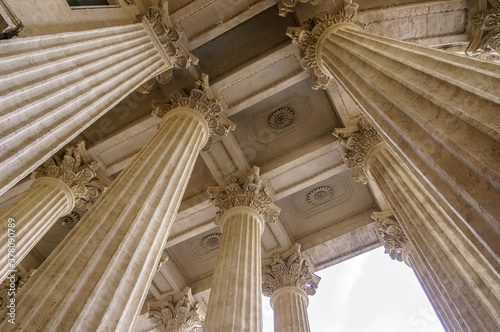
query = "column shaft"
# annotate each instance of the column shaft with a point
(437, 111)
(98, 277)
(34, 213)
(53, 87)
(290, 310)
(469, 285)
(443, 305)
(236, 296)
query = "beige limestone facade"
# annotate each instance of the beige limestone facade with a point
(164, 164)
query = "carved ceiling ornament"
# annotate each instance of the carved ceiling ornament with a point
(393, 236)
(358, 142)
(211, 241)
(170, 39)
(288, 270)
(485, 33)
(288, 6)
(200, 100)
(320, 195)
(251, 193)
(179, 313)
(307, 36)
(70, 220)
(80, 177)
(281, 118)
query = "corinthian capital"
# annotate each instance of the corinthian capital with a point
(179, 313)
(307, 37)
(358, 141)
(169, 38)
(485, 32)
(251, 193)
(200, 100)
(288, 269)
(288, 6)
(79, 176)
(393, 236)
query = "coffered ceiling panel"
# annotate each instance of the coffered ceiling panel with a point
(283, 121)
(323, 203)
(246, 41)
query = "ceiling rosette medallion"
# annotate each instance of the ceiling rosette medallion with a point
(281, 118)
(211, 241)
(70, 220)
(320, 195)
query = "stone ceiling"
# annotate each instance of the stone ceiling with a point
(283, 126)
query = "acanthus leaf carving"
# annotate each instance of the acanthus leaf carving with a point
(180, 313)
(393, 236)
(288, 6)
(485, 41)
(288, 270)
(200, 100)
(81, 178)
(251, 194)
(358, 141)
(170, 38)
(307, 36)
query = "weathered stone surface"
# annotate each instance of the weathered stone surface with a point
(179, 313)
(288, 280)
(101, 254)
(74, 78)
(235, 299)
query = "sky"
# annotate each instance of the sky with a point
(368, 293)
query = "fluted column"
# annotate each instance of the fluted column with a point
(235, 298)
(443, 305)
(99, 275)
(437, 111)
(61, 183)
(467, 282)
(288, 280)
(399, 248)
(53, 87)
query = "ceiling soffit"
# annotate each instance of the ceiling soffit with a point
(313, 117)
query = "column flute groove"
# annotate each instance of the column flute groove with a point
(62, 101)
(468, 285)
(98, 277)
(437, 111)
(235, 300)
(288, 280)
(61, 183)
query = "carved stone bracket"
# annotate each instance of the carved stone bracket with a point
(79, 176)
(8, 289)
(358, 141)
(288, 269)
(200, 100)
(288, 6)
(307, 36)
(393, 236)
(170, 39)
(485, 32)
(179, 313)
(251, 193)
